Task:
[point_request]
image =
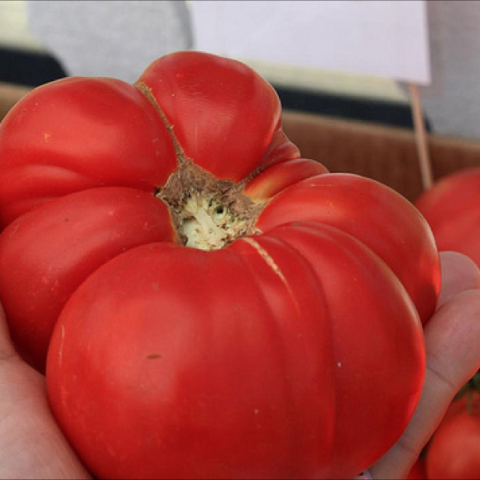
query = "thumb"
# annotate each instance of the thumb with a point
(452, 340)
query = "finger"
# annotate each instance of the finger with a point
(459, 273)
(452, 339)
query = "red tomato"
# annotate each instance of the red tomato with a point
(470, 400)
(418, 470)
(454, 451)
(266, 350)
(452, 209)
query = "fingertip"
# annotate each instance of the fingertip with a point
(459, 274)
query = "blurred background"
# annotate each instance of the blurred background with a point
(42, 41)
(325, 103)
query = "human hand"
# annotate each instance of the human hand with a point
(32, 445)
(452, 339)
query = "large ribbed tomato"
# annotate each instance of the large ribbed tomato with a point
(286, 342)
(452, 208)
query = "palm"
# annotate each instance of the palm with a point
(31, 444)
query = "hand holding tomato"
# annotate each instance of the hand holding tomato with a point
(453, 355)
(32, 446)
(203, 298)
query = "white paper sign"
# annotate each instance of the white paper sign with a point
(382, 38)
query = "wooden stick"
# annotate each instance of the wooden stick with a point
(421, 137)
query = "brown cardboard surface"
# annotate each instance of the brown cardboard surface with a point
(386, 154)
(9, 95)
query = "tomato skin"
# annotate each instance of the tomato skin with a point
(162, 319)
(454, 451)
(363, 208)
(47, 253)
(280, 176)
(418, 470)
(214, 104)
(267, 358)
(80, 133)
(451, 208)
